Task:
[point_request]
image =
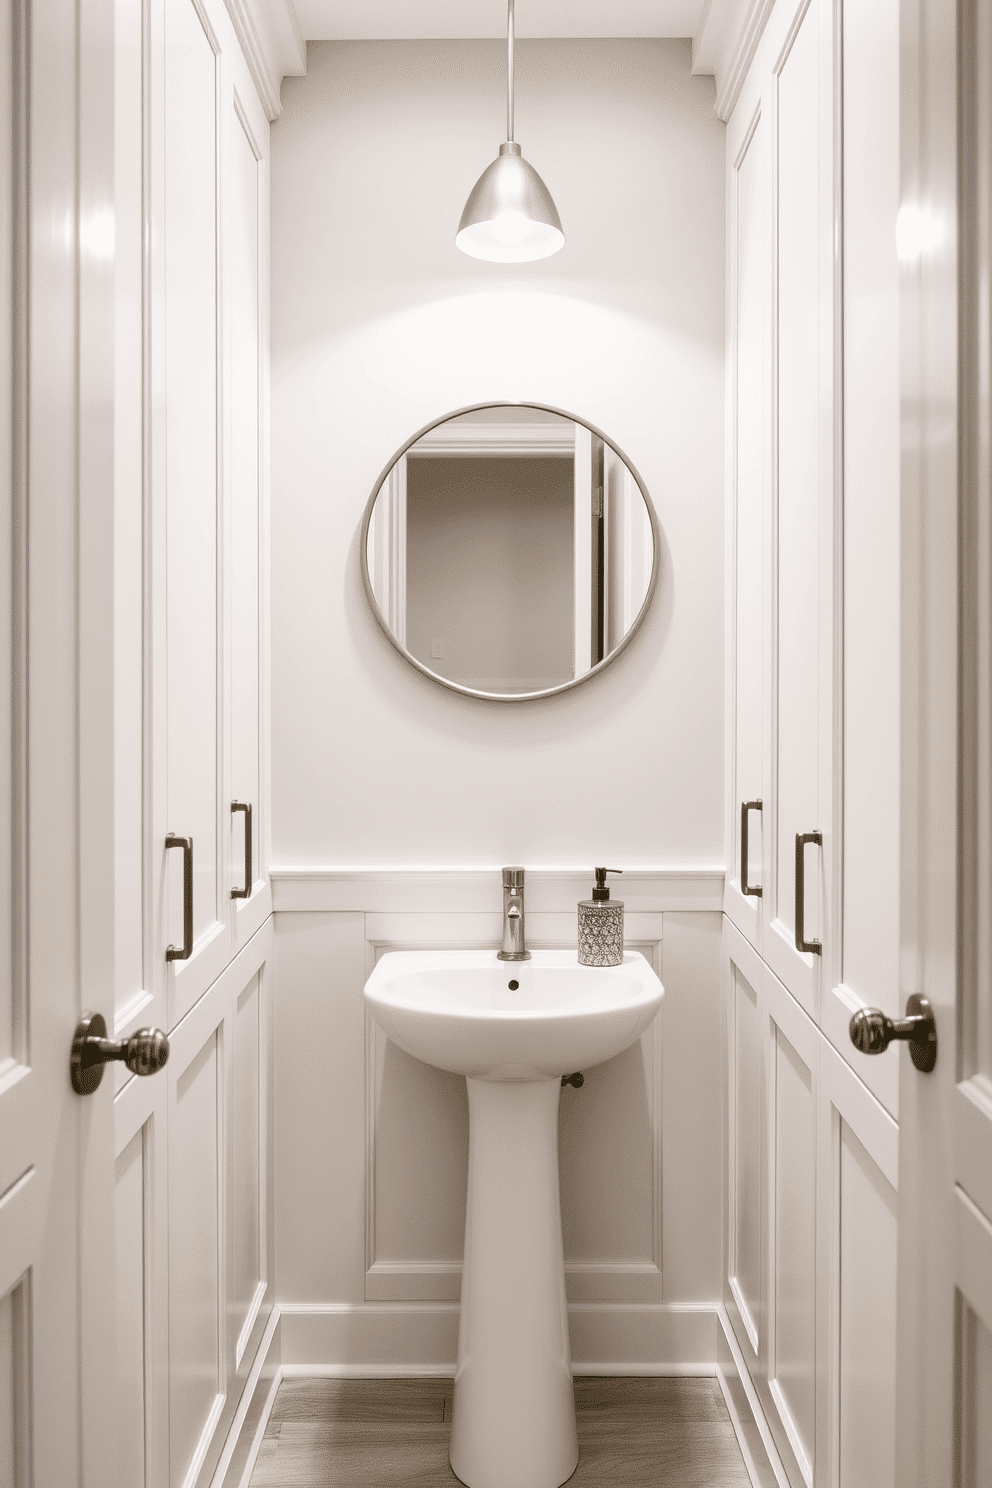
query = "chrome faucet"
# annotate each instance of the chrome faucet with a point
(514, 947)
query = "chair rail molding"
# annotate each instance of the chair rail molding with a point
(444, 890)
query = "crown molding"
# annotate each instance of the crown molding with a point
(725, 43)
(273, 45)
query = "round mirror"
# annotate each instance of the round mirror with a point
(509, 551)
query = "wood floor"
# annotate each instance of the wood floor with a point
(378, 1433)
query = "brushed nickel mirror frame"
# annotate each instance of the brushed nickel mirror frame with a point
(513, 697)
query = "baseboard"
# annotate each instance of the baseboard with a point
(397, 1338)
(237, 1460)
(754, 1437)
(404, 1339)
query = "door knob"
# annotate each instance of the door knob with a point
(872, 1032)
(144, 1052)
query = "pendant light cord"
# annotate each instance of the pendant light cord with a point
(509, 71)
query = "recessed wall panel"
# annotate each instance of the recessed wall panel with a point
(6, 1391)
(247, 1232)
(605, 1160)
(797, 474)
(191, 455)
(976, 1401)
(868, 1223)
(746, 1260)
(194, 1291)
(14, 1359)
(794, 1278)
(129, 1213)
(419, 1185)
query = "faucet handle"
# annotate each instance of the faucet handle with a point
(513, 878)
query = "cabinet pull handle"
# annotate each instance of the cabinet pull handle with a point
(802, 944)
(746, 888)
(183, 953)
(244, 893)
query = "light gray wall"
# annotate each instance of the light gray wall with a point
(378, 326)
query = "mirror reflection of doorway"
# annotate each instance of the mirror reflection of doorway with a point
(509, 550)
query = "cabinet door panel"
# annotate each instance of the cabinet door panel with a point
(129, 1207)
(195, 1277)
(857, 1172)
(743, 972)
(248, 1163)
(790, 1061)
(246, 305)
(133, 985)
(749, 244)
(798, 762)
(192, 487)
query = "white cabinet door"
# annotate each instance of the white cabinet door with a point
(866, 924)
(56, 694)
(857, 1227)
(944, 1371)
(247, 589)
(194, 1220)
(749, 243)
(188, 766)
(798, 94)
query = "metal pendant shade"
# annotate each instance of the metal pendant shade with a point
(510, 216)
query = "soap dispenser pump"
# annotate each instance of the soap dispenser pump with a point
(601, 925)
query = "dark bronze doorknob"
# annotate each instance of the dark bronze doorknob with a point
(144, 1053)
(872, 1032)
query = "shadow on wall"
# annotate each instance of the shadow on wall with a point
(605, 1154)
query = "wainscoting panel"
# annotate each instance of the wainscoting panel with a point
(248, 1144)
(611, 1211)
(744, 971)
(193, 1219)
(372, 1145)
(857, 1175)
(790, 1061)
(14, 1388)
(196, 1280)
(129, 1200)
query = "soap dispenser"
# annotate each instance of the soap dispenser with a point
(601, 925)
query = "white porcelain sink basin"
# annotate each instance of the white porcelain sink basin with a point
(513, 1028)
(466, 1012)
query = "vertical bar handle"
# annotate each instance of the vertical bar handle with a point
(244, 893)
(746, 808)
(802, 944)
(183, 953)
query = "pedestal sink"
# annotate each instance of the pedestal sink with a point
(513, 1029)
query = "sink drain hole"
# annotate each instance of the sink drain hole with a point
(513, 985)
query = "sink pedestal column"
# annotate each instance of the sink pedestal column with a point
(514, 1410)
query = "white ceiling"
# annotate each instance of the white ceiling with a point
(394, 20)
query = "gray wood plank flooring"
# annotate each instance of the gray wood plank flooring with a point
(326, 1433)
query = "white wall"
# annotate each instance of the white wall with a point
(379, 325)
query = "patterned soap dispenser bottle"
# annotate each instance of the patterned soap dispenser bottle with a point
(601, 925)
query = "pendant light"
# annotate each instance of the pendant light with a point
(510, 216)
